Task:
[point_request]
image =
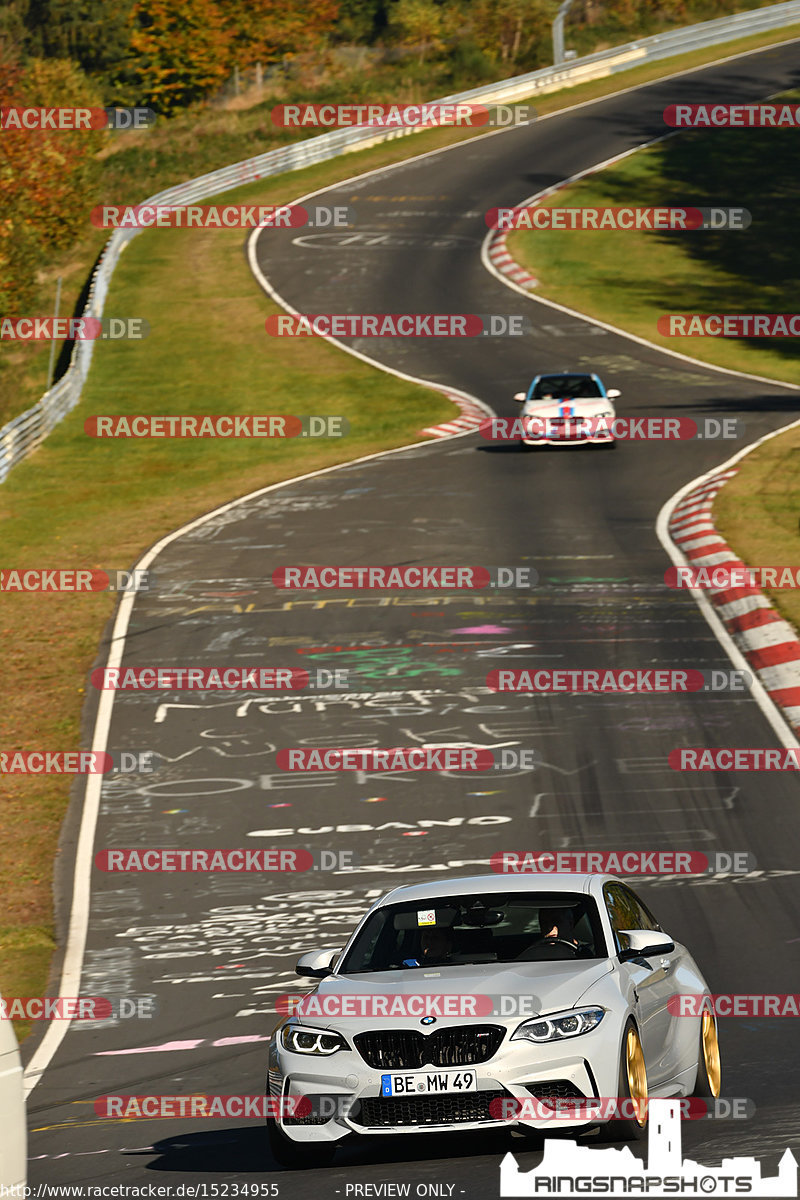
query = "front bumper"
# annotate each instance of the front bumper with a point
(346, 1098)
(579, 438)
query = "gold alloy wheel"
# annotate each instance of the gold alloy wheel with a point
(637, 1076)
(708, 1037)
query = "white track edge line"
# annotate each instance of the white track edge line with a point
(758, 692)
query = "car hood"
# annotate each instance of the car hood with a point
(567, 408)
(548, 987)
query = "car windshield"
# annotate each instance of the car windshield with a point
(485, 928)
(572, 387)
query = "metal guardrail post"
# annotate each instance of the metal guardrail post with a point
(558, 32)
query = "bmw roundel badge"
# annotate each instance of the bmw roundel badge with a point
(428, 1021)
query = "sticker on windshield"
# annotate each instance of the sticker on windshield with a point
(426, 917)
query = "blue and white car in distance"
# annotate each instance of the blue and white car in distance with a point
(567, 408)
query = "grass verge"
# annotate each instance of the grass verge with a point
(758, 513)
(630, 279)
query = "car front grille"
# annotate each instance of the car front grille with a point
(376, 1112)
(405, 1049)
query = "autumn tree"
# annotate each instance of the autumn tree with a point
(266, 31)
(181, 52)
(419, 23)
(94, 33)
(47, 176)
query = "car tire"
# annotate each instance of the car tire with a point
(709, 1073)
(298, 1155)
(632, 1085)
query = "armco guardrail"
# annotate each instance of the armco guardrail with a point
(28, 430)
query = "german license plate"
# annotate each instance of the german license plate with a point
(422, 1083)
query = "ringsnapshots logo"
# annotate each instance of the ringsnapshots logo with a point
(397, 325)
(630, 219)
(568, 1168)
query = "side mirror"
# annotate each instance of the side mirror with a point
(520, 397)
(316, 964)
(613, 393)
(643, 943)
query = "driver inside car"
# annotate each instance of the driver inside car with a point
(562, 925)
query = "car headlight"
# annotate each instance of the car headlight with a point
(560, 1025)
(311, 1041)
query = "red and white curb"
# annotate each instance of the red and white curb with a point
(768, 642)
(472, 416)
(502, 261)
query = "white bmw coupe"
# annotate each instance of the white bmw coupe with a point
(463, 1004)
